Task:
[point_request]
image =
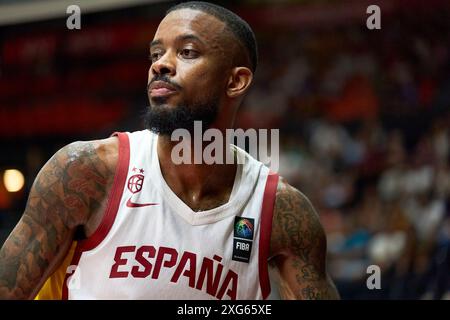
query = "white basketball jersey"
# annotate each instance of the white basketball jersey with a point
(151, 245)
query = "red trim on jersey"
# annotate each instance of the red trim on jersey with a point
(112, 207)
(266, 230)
(114, 196)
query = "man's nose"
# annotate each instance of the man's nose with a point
(164, 65)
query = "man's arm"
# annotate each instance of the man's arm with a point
(298, 247)
(67, 192)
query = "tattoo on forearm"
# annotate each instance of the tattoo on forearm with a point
(70, 186)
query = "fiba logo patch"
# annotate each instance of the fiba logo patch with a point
(243, 228)
(243, 239)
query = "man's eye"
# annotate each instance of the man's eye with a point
(154, 56)
(189, 53)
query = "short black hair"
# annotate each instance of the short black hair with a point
(238, 27)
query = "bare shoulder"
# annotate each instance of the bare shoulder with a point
(102, 154)
(296, 225)
(81, 173)
(298, 247)
(67, 193)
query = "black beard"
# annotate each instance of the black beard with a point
(164, 120)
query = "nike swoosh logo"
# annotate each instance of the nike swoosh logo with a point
(138, 205)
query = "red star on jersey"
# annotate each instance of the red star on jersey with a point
(141, 170)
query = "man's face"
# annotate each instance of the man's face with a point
(187, 77)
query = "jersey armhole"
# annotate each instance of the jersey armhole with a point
(114, 197)
(113, 202)
(268, 205)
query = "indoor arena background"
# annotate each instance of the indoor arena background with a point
(363, 116)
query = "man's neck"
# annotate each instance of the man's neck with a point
(201, 186)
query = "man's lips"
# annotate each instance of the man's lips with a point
(160, 89)
(161, 92)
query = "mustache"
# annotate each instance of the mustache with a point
(166, 79)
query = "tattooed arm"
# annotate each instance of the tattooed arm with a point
(68, 192)
(298, 247)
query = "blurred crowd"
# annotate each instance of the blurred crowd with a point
(365, 128)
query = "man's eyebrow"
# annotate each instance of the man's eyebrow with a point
(182, 37)
(185, 37)
(155, 42)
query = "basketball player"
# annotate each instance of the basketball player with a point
(117, 219)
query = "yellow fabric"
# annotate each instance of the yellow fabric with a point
(52, 288)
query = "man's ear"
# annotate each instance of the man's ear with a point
(239, 81)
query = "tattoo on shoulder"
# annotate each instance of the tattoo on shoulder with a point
(298, 233)
(70, 186)
(296, 223)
